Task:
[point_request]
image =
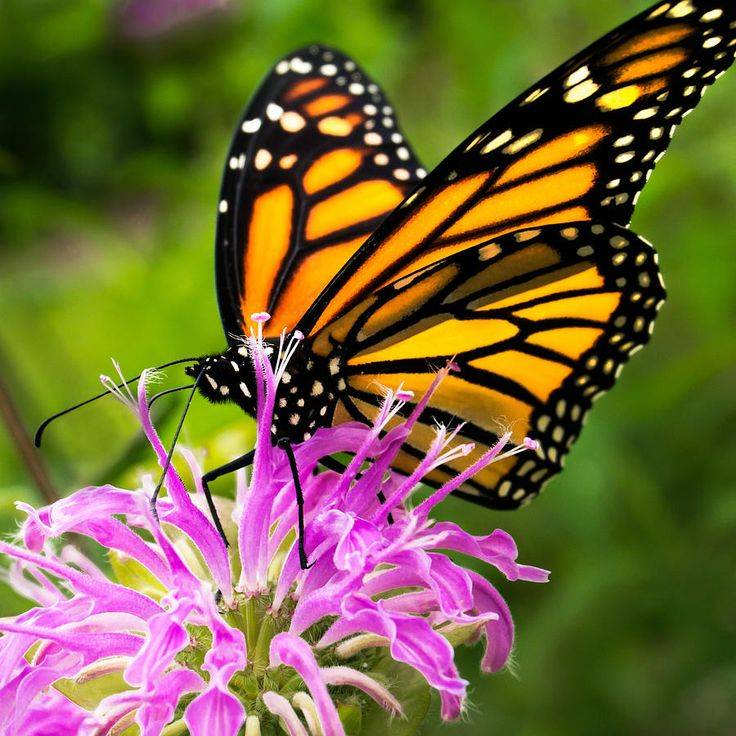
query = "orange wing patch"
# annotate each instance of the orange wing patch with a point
(269, 232)
(595, 307)
(569, 341)
(648, 41)
(325, 104)
(330, 168)
(560, 150)
(541, 376)
(405, 303)
(428, 339)
(307, 282)
(364, 201)
(580, 277)
(517, 202)
(304, 87)
(649, 65)
(456, 397)
(505, 265)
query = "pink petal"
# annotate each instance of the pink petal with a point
(497, 549)
(347, 676)
(52, 713)
(166, 638)
(215, 711)
(281, 707)
(159, 708)
(411, 640)
(499, 632)
(293, 651)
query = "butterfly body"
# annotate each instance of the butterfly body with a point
(512, 259)
(307, 393)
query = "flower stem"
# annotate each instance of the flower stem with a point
(260, 653)
(251, 623)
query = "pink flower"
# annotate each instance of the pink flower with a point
(143, 19)
(192, 632)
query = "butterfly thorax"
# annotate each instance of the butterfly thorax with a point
(305, 396)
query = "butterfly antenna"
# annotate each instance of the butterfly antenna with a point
(161, 394)
(170, 454)
(42, 427)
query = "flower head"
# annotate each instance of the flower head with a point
(185, 629)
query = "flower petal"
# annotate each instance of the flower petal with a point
(348, 676)
(499, 631)
(165, 639)
(293, 651)
(281, 707)
(215, 711)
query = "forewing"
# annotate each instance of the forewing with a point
(538, 323)
(579, 145)
(317, 161)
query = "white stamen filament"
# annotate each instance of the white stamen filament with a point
(454, 453)
(123, 394)
(285, 355)
(394, 401)
(525, 446)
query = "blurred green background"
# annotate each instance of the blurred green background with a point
(114, 128)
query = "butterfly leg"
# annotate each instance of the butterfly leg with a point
(240, 462)
(285, 445)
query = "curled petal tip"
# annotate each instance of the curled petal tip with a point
(531, 444)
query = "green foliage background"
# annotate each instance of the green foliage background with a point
(110, 157)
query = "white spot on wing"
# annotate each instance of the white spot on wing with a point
(292, 122)
(274, 111)
(500, 140)
(262, 159)
(251, 126)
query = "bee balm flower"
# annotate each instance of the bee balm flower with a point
(183, 630)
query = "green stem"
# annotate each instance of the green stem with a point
(251, 624)
(260, 657)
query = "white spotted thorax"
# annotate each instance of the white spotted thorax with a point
(308, 387)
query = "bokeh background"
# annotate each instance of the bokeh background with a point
(114, 126)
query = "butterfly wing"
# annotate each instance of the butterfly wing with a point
(539, 324)
(579, 145)
(317, 161)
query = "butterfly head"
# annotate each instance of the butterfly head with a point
(225, 377)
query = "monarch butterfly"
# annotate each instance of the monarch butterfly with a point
(512, 258)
